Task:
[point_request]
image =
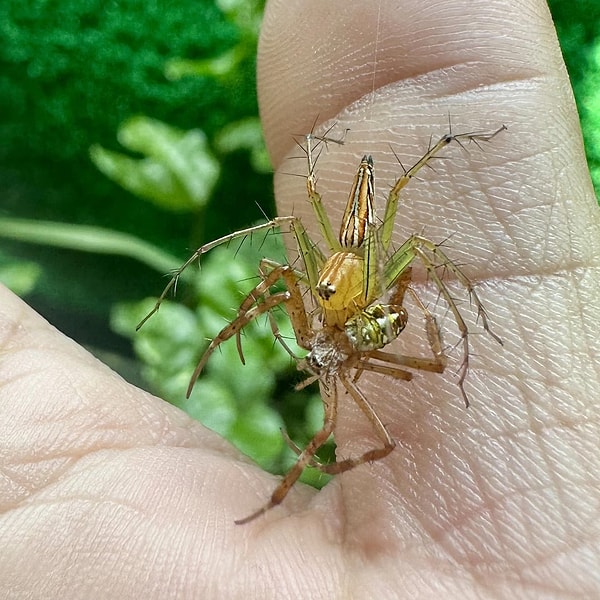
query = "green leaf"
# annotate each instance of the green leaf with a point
(257, 433)
(220, 66)
(213, 404)
(245, 134)
(20, 276)
(179, 173)
(167, 344)
(246, 14)
(231, 398)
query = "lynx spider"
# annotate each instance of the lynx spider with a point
(359, 290)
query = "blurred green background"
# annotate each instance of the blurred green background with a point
(130, 136)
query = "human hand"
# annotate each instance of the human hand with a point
(494, 499)
(110, 492)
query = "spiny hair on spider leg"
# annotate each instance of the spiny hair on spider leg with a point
(243, 240)
(175, 277)
(304, 136)
(489, 331)
(399, 162)
(482, 312)
(458, 302)
(472, 139)
(443, 317)
(447, 271)
(264, 214)
(448, 264)
(322, 143)
(295, 262)
(476, 333)
(239, 245)
(269, 232)
(458, 141)
(324, 138)
(445, 264)
(249, 278)
(306, 292)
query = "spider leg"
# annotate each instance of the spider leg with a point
(270, 271)
(421, 247)
(391, 369)
(293, 446)
(432, 257)
(443, 260)
(400, 360)
(370, 455)
(316, 201)
(404, 180)
(276, 334)
(292, 298)
(304, 459)
(400, 286)
(434, 337)
(275, 223)
(234, 328)
(458, 318)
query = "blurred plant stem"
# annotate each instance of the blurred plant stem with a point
(86, 238)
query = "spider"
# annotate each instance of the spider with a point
(358, 290)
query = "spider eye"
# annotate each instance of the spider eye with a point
(326, 289)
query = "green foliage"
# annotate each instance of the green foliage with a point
(71, 71)
(231, 398)
(578, 27)
(590, 113)
(17, 275)
(245, 134)
(75, 59)
(84, 238)
(179, 173)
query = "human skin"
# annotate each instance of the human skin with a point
(109, 492)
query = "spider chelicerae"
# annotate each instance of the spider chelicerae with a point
(358, 288)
